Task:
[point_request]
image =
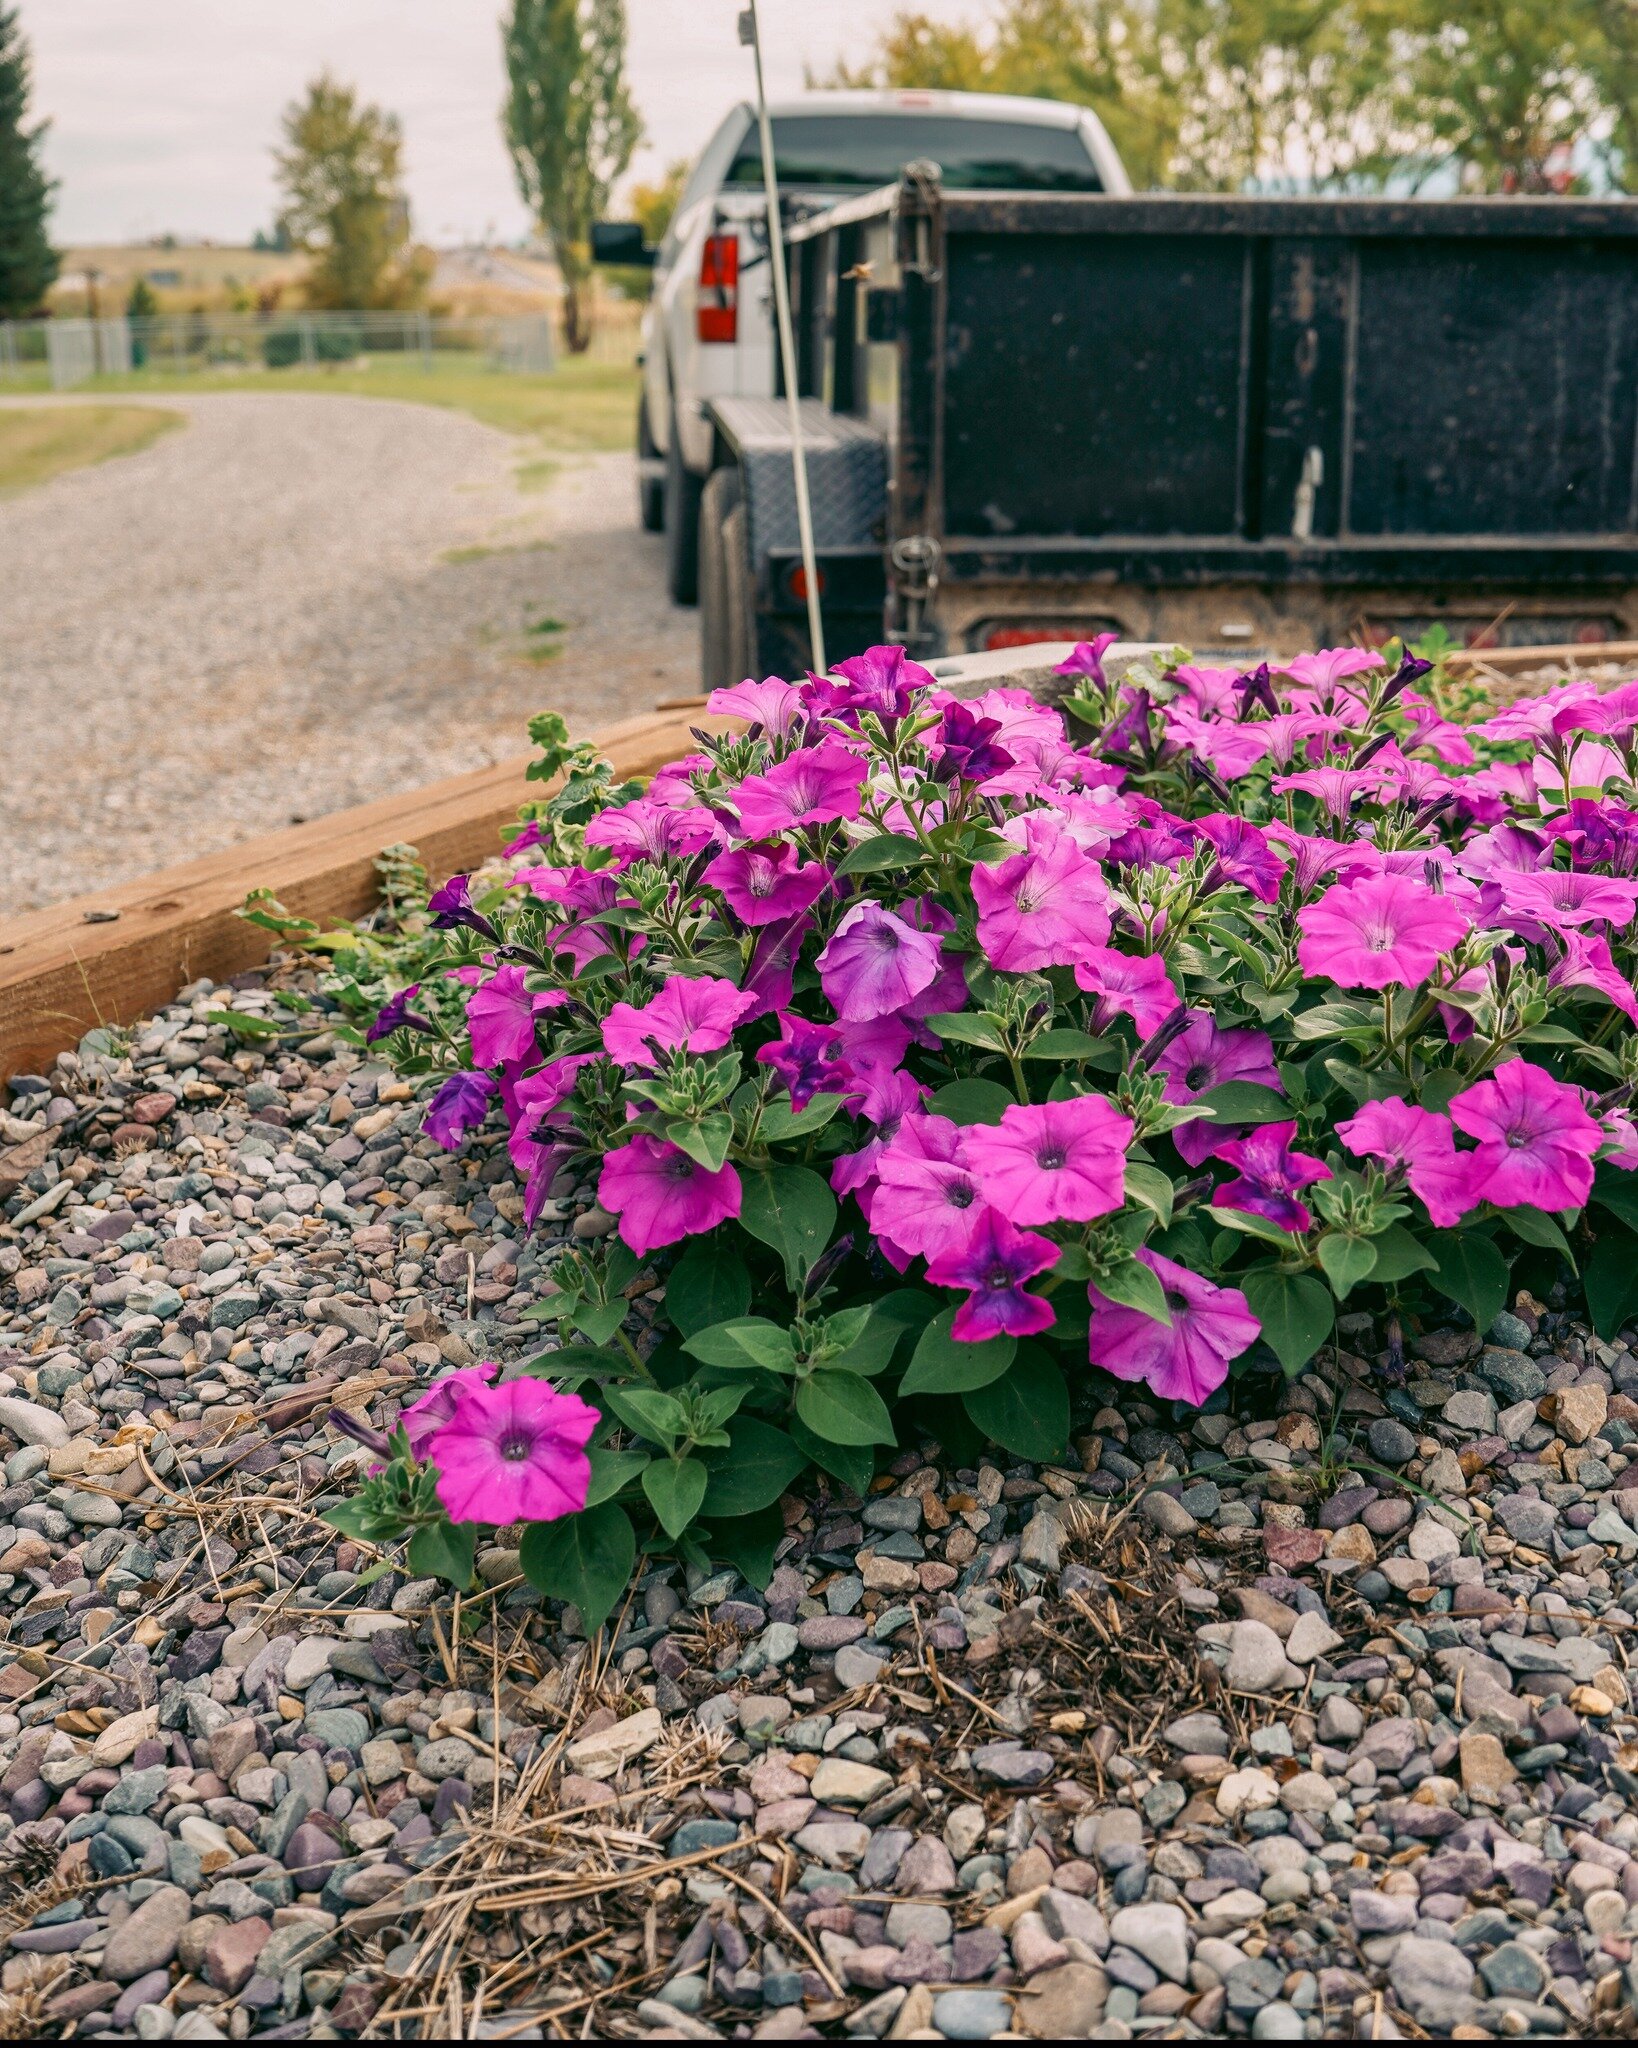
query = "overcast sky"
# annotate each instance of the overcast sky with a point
(164, 112)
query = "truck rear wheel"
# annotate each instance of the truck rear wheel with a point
(650, 475)
(682, 525)
(727, 615)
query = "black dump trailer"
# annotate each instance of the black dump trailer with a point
(1238, 423)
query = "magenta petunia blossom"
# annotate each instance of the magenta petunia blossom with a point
(1270, 1176)
(1565, 901)
(882, 679)
(1536, 1139)
(1189, 1360)
(459, 1106)
(1201, 1057)
(1386, 931)
(692, 1013)
(422, 1419)
(1085, 658)
(646, 830)
(773, 705)
(500, 1017)
(814, 787)
(966, 748)
(1134, 985)
(1043, 907)
(1399, 1134)
(994, 1263)
(1053, 1162)
(1244, 856)
(662, 1196)
(1323, 671)
(1586, 963)
(514, 1453)
(809, 1059)
(875, 963)
(927, 1197)
(762, 884)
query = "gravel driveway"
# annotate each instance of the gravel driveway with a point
(299, 603)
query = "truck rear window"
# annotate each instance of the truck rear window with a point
(866, 150)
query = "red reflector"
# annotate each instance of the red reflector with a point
(799, 583)
(1019, 636)
(718, 311)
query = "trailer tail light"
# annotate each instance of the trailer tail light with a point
(718, 312)
(797, 582)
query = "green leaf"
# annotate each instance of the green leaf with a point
(1398, 1255)
(707, 1141)
(941, 1364)
(843, 1407)
(746, 1342)
(1468, 1267)
(1151, 1187)
(599, 1320)
(1250, 1224)
(1245, 1102)
(972, 1102)
(780, 1122)
(791, 1209)
(1063, 1044)
(1134, 1285)
(1347, 1260)
(1614, 1190)
(611, 1471)
(892, 1319)
(708, 1284)
(758, 1465)
(1295, 1310)
(1438, 1088)
(968, 1027)
(675, 1488)
(658, 1417)
(888, 850)
(586, 1558)
(748, 1543)
(1536, 1226)
(444, 1550)
(352, 1518)
(1334, 1020)
(1026, 1411)
(1611, 1282)
(853, 1464)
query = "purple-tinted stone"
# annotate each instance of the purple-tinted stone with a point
(147, 1754)
(729, 1941)
(829, 1631)
(1008, 1763)
(974, 1953)
(1579, 1514)
(30, 1801)
(262, 1993)
(744, 1616)
(1387, 1517)
(668, 1657)
(417, 1828)
(199, 1654)
(55, 1941)
(1532, 1881)
(784, 1594)
(918, 1963)
(1347, 1506)
(452, 1795)
(147, 1990)
(310, 1856)
(1455, 1870)
(925, 1867)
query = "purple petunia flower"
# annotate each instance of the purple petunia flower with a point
(814, 787)
(882, 679)
(1399, 1134)
(993, 1264)
(1244, 856)
(1536, 1139)
(875, 963)
(1085, 658)
(452, 908)
(647, 830)
(773, 706)
(1046, 906)
(1189, 1360)
(1134, 985)
(1201, 1057)
(808, 1058)
(396, 1015)
(500, 1017)
(1271, 1176)
(459, 1106)
(662, 1196)
(965, 747)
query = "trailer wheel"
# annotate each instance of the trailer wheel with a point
(727, 621)
(682, 525)
(650, 475)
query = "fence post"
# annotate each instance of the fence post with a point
(308, 352)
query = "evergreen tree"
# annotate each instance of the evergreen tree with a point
(571, 128)
(28, 263)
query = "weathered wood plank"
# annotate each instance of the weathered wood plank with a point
(69, 967)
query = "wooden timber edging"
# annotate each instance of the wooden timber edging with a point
(121, 953)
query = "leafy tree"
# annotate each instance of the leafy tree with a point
(142, 302)
(571, 127)
(28, 263)
(652, 206)
(344, 201)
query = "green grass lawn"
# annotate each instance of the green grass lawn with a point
(578, 407)
(40, 442)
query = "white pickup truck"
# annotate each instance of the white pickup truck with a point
(708, 330)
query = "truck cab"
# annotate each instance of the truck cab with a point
(708, 331)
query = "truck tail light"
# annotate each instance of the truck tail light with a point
(718, 312)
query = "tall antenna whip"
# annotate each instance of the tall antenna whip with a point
(750, 32)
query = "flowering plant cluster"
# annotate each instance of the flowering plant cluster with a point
(935, 1053)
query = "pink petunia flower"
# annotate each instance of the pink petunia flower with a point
(500, 1017)
(1233, 750)
(882, 679)
(1321, 672)
(1134, 985)
(1201, 1058)
(897, 1096)
(514, 1453)
(646, 830)
(1536, 1140)
(927, 1196)
(875, 963)
(994, 1263)
(773, 705)
(1565, 901)
(1188, 1361)
(662, 1196)
(1044, 907)
(762, 884)
(1085, 658)
(692, 1013)
(423, 1418)
(814, 787)
(1053, 1162)
(1384, 932)
(809, 1058)
(1586, 963)
(1271, 1176)
(1399, 1134)
(1431, 729)
(531, 1099)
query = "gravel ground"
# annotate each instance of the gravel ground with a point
(1206, 1734)
(258, 620)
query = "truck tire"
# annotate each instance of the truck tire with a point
(682, 525)
(650, 475)
(727, 617)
